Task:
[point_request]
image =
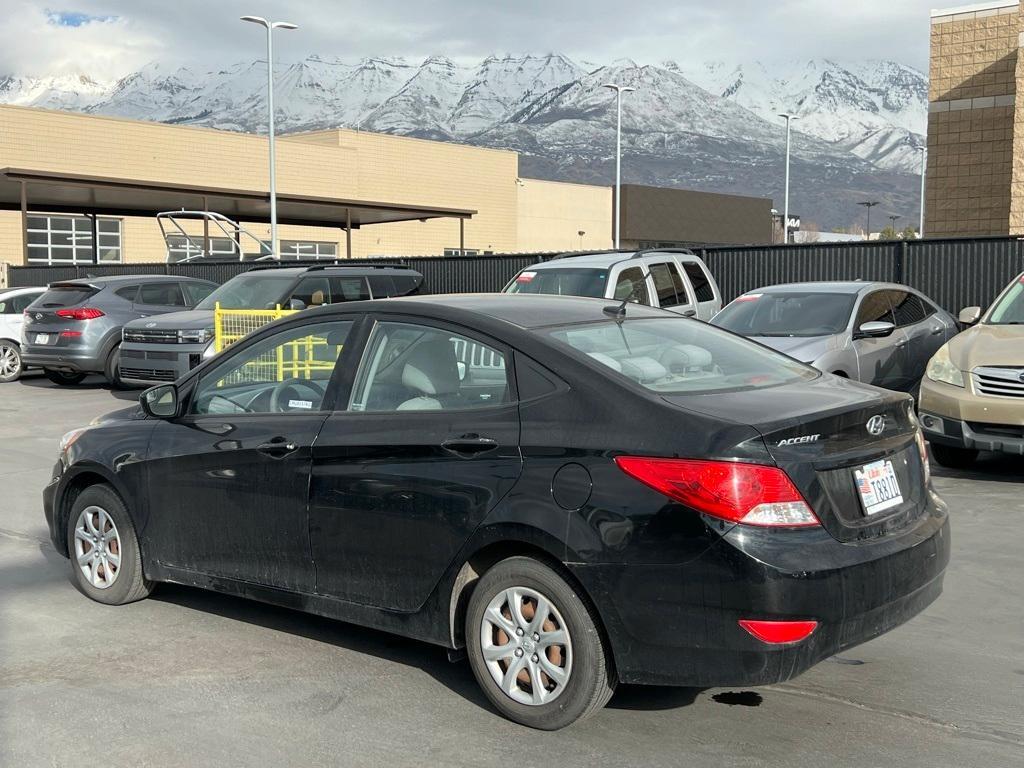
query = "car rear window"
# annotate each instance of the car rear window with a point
(678, 356)
(561, 281)
(793, 313)
(64, 296)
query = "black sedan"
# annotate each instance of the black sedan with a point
(577, 493)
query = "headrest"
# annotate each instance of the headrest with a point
(643, 369)
(317, 298)
(683, 356)
(431, 368)
(336, 338)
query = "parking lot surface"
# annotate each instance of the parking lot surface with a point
(196, 678)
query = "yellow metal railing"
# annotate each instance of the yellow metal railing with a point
(296, 359)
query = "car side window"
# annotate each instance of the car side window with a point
(196, 292)
(7, 307)
(20, 303)
(669, 285)
(350, 288)
(699, 280)
(408, 367)
(287, 372)
(313, 291)
(382, 285)
(907, 308)
(128, 293)
(632, 285)
(874, 307)
(160, 295)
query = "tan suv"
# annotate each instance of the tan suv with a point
(972, 395)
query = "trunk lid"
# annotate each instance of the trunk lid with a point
(817, 431)
(42, 316)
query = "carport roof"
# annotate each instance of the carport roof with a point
(69, 192)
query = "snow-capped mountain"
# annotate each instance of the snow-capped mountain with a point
(713, 127)
(878, 110)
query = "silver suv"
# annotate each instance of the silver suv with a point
(74, 328)
(674, 279)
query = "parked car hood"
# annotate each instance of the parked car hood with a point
(988, 345)
(806, 349)
(122, 414)
(180, 321)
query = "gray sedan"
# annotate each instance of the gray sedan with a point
(878, 333)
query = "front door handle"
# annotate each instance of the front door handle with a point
(901, 344)
(937, 331)
(277, 448)
(469, 445)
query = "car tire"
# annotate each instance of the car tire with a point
(106, 562)
(589, 677)
(953, 458)
(11, 366)
(112, 369)
(64, 378)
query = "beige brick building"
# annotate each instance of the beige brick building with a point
(72, 167)
(975, 171)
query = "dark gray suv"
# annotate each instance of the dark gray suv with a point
(74, 328)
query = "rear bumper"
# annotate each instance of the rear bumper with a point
(64, 359)
(678, 624)
(157, 363)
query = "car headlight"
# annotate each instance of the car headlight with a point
(69, 438)
(941, 368)
(196, 336)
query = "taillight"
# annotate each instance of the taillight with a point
(752, 494)
(923, 450)
(81, 313)
(779, 632)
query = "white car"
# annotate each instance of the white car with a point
(672, 278)
(12, 307)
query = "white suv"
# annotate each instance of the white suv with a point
(12, 308)
(676, 280)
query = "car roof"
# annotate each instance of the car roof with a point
(525, 310)
(348, 269)
(830, 286)
(605, 259)
(106, 280)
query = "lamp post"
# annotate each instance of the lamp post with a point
(270, 27)
(892, 222)
(789, 117)
(869, 204)
(581, 233)
(924, 165)
(619, 90)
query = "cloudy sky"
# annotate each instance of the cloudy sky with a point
(108, 38)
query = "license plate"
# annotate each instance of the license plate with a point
(42, 338)
(878, 487)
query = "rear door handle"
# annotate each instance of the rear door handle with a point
(690, 313)
(469, 445)
(277, 448)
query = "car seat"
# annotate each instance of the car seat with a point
(433, 373)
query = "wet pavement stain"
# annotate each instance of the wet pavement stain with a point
(842, 660)
(739, 698)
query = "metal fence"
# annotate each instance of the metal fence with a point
(955, 273)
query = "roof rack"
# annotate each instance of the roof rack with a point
(320, 266)
(646, 251)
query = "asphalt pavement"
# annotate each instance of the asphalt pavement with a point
(192, 678)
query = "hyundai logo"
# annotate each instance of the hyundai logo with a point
(876, 425)
(39, 316)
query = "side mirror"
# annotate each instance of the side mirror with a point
(969, 315)
(876, 329)
(296, 304)
(160, 402)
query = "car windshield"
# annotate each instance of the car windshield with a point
(249, 291)
(678, 356)
(1009, 310)
(561, 281)
(793, 313)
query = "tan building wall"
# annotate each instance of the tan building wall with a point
(335, 164)
(973, 85)
(552, 214)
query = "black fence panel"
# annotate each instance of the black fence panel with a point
(469, 274)
(963, 273)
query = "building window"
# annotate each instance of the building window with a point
(181, 248)
(68, 240)
(308, 249)
(464, 251)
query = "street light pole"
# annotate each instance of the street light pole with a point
(924, 157)
(270, 27)
(789, 117)
(869, 204)
(619, 90)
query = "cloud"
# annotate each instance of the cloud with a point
(109, 38)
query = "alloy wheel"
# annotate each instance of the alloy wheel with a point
(526, 646)
(97, 547)
(10, 361)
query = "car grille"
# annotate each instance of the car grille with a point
(999, 381)
(151, 336)
(146, 374)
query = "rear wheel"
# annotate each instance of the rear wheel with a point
(64, 378)
(112, 370)
(106, 563)
(10, 361)
(953, 458)
(535, 647)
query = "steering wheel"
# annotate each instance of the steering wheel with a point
(284, 392)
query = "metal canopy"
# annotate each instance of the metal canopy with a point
(75, 193)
